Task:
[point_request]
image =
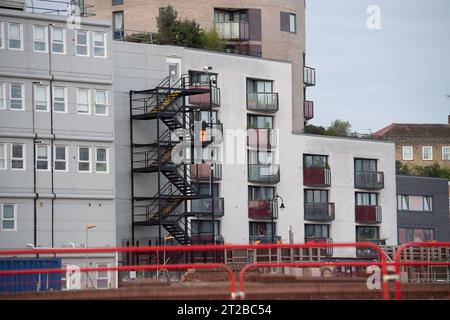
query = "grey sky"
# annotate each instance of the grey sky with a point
(400, 73)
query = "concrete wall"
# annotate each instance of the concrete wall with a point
(79, 198)
(438, 219)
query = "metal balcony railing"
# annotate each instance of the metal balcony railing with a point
(202, 171)
(205, 99)
(317, 177)
(308, 110)
(205, 206)
(206, 238)
(319, 212)
(262, 101)
(309, 76)
(368, 214)
(233, 30)
(369, 253)
(264, 173)
(262, 138)
(264, 239)
(325, 251)
(370, 180)
(261, 209)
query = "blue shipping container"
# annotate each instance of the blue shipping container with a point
(30, 282)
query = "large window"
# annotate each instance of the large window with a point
(407, 153)
(2, 96)
(315, 161)
(81, 43)
(414, 203)
(42, 157)
(427, 153)
(60, 158)
(16, 96)
(317, 231)
(365, 165)
(59, 99)
(84, 159)
(364, 233)
(261, 229)
(101, 160)
(58, 40)
(100, 44)
(415, 235)
(118, 25)
(101, 102)
(40, 38)
(261, 193)
(17, 156)
(260, 157)
(8, 214)
(2, 156)
(41, 98)
(445, 152)
(15, 36)
(366, 199)
(221, 15)
(259, 86)
(84, 101)
(204, 189)
(117, 2)
(316, 196)
(2, 35)
(259, 122)
(288, 22)
(205, 227)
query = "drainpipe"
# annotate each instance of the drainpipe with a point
(51, 132)
(34, 165)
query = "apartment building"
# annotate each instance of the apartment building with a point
(57, 172)
(423, 213)
(270, 181)
(269, 29)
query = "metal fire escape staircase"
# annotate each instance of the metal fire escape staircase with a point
(166, 208)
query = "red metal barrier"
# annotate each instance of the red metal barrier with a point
(382, 263)
(398, 263)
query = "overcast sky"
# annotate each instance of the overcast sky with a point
(400, 73)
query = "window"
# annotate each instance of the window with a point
(40, 98)
(118, 27)
(39, 38)
(204, 227)
(16, 96)
(261, 86)
(2, 35)
(317, 231)
(364, 233)
(101, 160)
(2, 96)
(261, 193)
(288, 22)
(9, 216)
(2, 156)
(117, 2)
(15, 36)
(427, 153)
(415, 235)
(101, 102)
(407, 153)
(202, 78)
(100, 44)
(42, 157)
(316, 196)
(414, 203)
(84, 101)
(366, 199)
(445, 151)
(365, 165)
(59, 99)
(260, 157)
(315, 161)
(58, 40)
(259, 122)
(84, 159)
(60, 158)
(260, 230)
(81, 41)
(292, 23)
(18, 157)
(102, 277)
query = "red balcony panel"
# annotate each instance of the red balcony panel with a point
(368, 214)
(260, 209)
(320, 177)
(262, 138)
(200, 99)
(308, 110)
(202, 171)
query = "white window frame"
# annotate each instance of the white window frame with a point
(106, 102)
(43, 160)
(295, 22)
(3, 94)
(24, 156)
(105, 47)
(3, 156)
(84, 161)
(411, 148)
(47, 96)
(65, 99)
(45, 38)
(2, 207)
(2, 34)
(423, 153)
(21, 36)
(66, 157)
(89, 101)
(102, 162)
(22, 94)
(87, 43)
(443, 157)
(63, 39)
(107, 278)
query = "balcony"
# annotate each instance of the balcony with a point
(202, 171)
(325, 251)
(321, 212)
(369, 180)
(369, 253)
(206, 238)
(309, 76)
(317, 177)
(262, 138)
(262, 101)
(261, 209)
(204, 206)
(205, 99)
(264, 239)
(308, 110)
(235, 31)
(264, 173)
(368, 214)
(213, 132)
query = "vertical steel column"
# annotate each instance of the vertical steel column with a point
(159, 163)
(131, 166)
